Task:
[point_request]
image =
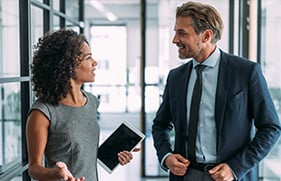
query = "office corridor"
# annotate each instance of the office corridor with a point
(129, 172)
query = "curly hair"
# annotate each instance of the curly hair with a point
(54, 61)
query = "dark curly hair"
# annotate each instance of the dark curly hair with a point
(54, 63)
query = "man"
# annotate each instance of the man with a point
(237, 121)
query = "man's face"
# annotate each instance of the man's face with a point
(186, 39)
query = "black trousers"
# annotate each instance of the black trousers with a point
(196, 175)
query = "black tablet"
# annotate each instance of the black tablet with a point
(125, 137)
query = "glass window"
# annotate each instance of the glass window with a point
(9, 39)
(111, 74)
(36, 24)
(270, 62)
(17, 178)
(10, 124)
(70, 25)
(12, 158)
(56, 5)
(56, 22)
(72, 9)
(41, 1)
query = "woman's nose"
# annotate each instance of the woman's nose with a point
(95, 63)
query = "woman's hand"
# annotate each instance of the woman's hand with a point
(125, 157)
(65, 173)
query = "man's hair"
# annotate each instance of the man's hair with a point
(204, 17)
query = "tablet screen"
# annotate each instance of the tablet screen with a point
(125, 137)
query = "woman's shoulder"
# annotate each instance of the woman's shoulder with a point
(91, 97)
(38, 103)
(42, 106)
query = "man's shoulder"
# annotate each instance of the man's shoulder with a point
(233, 59)
(181, 67)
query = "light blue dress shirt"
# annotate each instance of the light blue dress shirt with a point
(206, 134)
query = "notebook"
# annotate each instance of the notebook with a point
(124, 137)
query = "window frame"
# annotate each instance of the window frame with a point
(18, 168)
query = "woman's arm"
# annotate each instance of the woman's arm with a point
(37, 135)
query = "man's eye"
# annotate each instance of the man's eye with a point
(181, 33)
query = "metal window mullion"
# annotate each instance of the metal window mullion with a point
(25, 59)
(231, 26)
(259, 31)
(244, 28)
(62, 10)
(142, 76)
(81, 15)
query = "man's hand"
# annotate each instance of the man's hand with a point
(177, 164)
(222, 172)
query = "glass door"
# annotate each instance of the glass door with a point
(270, 55)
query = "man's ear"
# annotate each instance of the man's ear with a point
(207, 35)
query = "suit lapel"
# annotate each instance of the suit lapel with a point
(221, 94)
(183, 93)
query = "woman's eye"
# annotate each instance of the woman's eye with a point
(88, 57)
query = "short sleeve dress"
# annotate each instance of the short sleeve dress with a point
(73, 136)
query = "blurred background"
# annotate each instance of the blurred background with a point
(132, 42)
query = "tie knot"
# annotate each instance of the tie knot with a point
(199, 68)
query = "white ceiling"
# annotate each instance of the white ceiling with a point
(122, 9)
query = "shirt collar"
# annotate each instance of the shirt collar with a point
(211, 61)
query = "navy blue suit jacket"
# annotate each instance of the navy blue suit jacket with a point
(246, 120)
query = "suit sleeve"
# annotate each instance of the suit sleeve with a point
(162, 127)
(263, 113)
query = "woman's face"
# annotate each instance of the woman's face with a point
(87, 66)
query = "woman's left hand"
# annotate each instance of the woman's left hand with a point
(125, 157)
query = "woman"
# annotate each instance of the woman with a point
(62, 124)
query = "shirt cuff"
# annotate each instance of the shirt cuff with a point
(235, 177)
(163, 161)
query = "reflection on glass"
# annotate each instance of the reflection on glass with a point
(56, 22)
(10, 123)
(9, 38)
(72, 9)
(70, 25)
(56, 5)
(36, 24)
(270, 61)
(18, 178)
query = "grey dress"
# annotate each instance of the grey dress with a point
(73, 136)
